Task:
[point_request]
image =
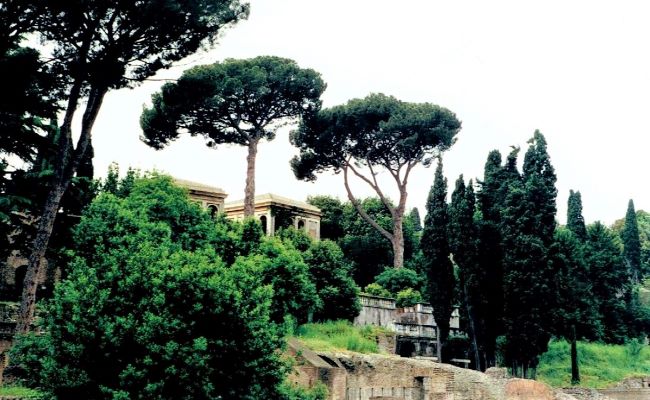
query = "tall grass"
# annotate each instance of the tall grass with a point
(601, 365)
(339, 335)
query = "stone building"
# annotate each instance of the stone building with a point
(210, 197)
(272, 210)
(276, 211)
(415, 328)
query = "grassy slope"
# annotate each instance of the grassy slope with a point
(601, 365)
(17, 391)
(339, 336)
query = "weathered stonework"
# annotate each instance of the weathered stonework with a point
(351, 376)
(415, 327)
(304, 216)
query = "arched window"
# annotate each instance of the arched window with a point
(213, 210)
(263, 221)
(301, 224)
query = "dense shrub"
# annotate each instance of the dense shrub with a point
(336, 289)
(408, 298)
(150, 309)
(398, 279)
(374, 289)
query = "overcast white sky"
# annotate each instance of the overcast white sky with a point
(577, 70)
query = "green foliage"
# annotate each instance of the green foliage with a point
(398, 279)
(643, 223)
(330, 273)
(408, 297)
(362, 244)
(21, 392)
(632, 243)
(173, 30)
(260, 92)
(528, 225)
(489, 270)
(574, 304)
(575, 222)
(331, 222)
(435, 249)
(340, 335)
(289, 391)
(463, 240)
(379, 130)
(609, 277)
(297, 238)
(414, 217)
(235, 102)
(375, 289)
(149, 296)
(294, 293)
(601, 365)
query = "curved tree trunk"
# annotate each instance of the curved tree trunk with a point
(66, 164)
(249, 191)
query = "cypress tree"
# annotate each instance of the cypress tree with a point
(575, 314)
(490, 199)
(463, 244)
(414, 216)
(435, 251)
(632, 243)
(528, 224)
(609, 279)
(539, 177)
(575, 222)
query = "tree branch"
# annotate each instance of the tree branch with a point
(360, 209)
(379, 192)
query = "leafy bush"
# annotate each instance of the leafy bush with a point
(294, 392)
(149, 309)
(298, 238)
(294, 293)
(397, 279)
(374, 289)
(408, 298)
(330, 272)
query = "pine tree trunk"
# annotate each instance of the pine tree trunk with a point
(249, 191)
(66, 164)
(398, 242)
(35, 260)
(575, 370)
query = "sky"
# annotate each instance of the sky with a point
(579, 71)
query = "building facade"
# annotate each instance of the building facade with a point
(273, 211)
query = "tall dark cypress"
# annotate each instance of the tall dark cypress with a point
(610, 281)
(435, 251)
(463, 244)
(539, 178)
(632, 243)
(575, 313)
(575, 222)
(528, 224)
(490, 199)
